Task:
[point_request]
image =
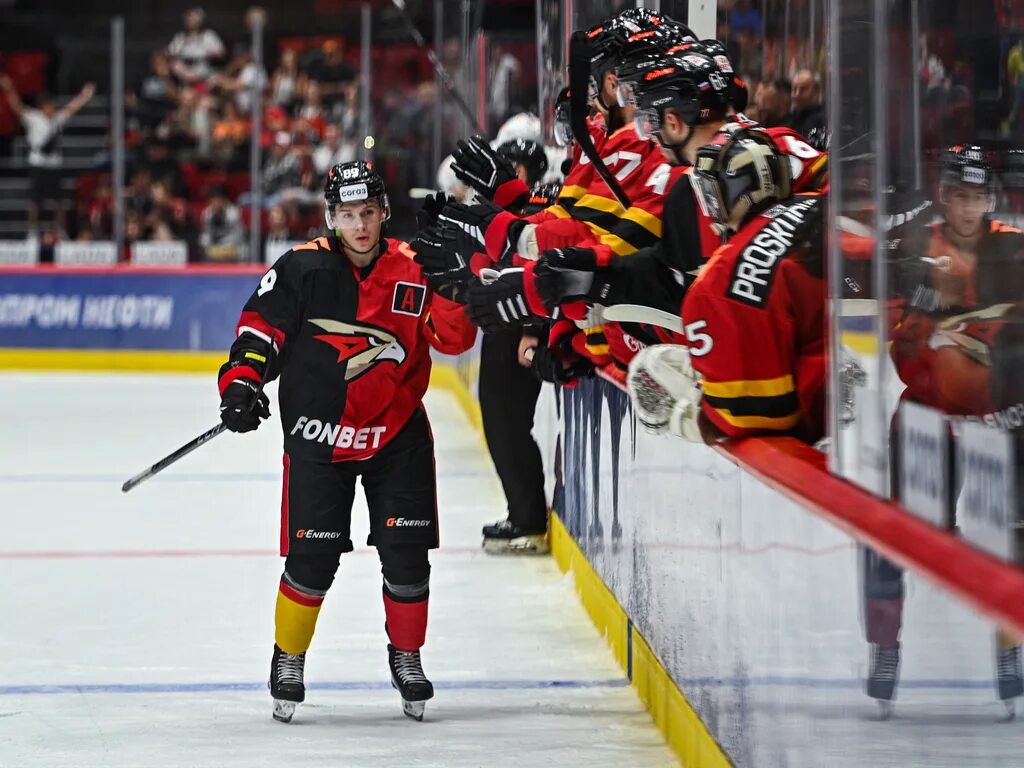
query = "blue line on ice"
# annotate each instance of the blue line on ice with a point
(367, 685)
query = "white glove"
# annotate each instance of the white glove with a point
(666, 391)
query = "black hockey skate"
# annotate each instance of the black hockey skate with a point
(504, 538)
(286, 683)
(1009, 678)
(408, 679)
(885, 669)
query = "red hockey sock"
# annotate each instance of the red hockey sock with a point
(406, 623)
(883, 619)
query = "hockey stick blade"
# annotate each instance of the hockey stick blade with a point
(637, 313)
(166, 461)
(579, 87)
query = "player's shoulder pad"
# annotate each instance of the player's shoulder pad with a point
(757, 251)
(401, 246)
(316, 253)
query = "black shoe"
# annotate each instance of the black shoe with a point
(885, 669)
(505, 538)
(408, 679)
(1009, 674)
(287, 685)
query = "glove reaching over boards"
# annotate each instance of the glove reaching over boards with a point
(547, 365)
(498, 302)
(477, 165)
(463, 227)
(432, 206)
(666, 391)
(574, 274)
(445, 270)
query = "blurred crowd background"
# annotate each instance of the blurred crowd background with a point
(192, 80)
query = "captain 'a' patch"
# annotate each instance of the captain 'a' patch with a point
(408, 299)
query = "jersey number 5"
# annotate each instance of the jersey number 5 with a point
(699, 343)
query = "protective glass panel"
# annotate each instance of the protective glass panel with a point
(928, 271)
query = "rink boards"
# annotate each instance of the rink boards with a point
(734, 611)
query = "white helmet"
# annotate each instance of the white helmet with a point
(522, 126)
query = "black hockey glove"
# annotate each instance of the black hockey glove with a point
(432, 206)
(548, 366)
(568, 274)
(499, 305)
(463, 227)
(480, 167)
(243, 405)
(445, 270)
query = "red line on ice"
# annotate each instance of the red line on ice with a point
(115, 554)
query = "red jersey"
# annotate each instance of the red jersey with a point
(944, 343)
(351, 346)
(756, 328)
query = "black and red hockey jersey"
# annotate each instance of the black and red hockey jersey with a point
(351, 346)
(756, 326)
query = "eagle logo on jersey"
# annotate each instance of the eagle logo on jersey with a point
(360, 346)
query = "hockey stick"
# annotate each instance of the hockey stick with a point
(579, 88)
(449, 84)
(166, 461)
(637, 313)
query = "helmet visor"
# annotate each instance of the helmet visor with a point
(647, 122)
(562, 132)
(709, 196)
(625, 93)
(366, 215)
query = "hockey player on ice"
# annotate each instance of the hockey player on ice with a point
(346, 322)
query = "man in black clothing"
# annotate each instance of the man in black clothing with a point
(808, 115)
(332, 73)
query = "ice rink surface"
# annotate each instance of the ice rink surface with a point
(137, 629)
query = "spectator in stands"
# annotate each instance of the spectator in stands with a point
(161, 166)
(933, 71)
(279, 229)
(238, 85)
(230, 139)
(346, 113)
(134, 230)
(156, 95)
(331, 151)
(168, 218)
(310, 121)
(285, 80)
(772, 102)
(282, 173)
(100, 216)
(332, 72)
(138, 195)
(411, 128)
(188, 128)
(807, 115)
(43, 127)
(195, 50)
(222, 222)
